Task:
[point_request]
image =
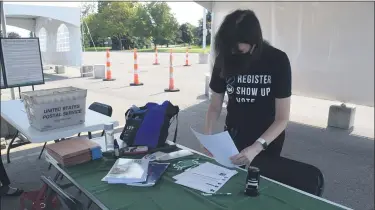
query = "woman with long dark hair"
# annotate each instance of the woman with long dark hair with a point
(257, 79)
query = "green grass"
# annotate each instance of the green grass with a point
(192, 49)
(91, 49)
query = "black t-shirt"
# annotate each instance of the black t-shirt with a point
(251, 105)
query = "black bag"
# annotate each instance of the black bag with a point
(149, 125)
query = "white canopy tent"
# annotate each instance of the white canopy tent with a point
(57, 27)
(330, 44)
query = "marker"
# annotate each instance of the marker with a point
(214, 194)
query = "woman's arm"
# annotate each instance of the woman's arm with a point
(214, 111)
(282, 106)
(218, 87)
(283, 92)
(246, 156)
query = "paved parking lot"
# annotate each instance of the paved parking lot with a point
(346, 159)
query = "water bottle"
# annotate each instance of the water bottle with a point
(109, 136)
(116, 148)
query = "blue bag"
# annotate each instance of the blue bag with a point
(149, 125)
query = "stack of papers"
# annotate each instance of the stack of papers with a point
(127, 171)
(208, 178)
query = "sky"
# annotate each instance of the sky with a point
(184, 12)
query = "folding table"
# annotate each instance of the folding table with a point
(13, 111)
(167, 195)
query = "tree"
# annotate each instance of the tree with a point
(141, 28)
(13, 35)
(199, 31)
(102, 5)
(31, 34)
(115, 20)
(131, 24)
(142, 22)
(87, 8)
(186, 33)
(93, 23)
(164, 25)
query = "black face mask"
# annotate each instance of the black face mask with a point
(238, 62)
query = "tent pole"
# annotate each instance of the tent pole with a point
(4, 32)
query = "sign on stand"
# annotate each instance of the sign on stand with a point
(21, 62)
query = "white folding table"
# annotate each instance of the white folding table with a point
(13, 112)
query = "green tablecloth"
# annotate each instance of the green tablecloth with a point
(166, 195)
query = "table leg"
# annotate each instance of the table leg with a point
(57, 176)
(10, 146)
(89, 204)
(44, 146)
(41, 152)
(91, 198)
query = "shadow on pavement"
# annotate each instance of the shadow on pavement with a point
(48, 77)
(202, 97)
(345, 160)
(53, 77)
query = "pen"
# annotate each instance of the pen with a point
(214, 194)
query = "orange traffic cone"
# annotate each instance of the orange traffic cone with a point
(156, 57)
(187, 57)
(135, 77)
(108, 73)
(171, 87)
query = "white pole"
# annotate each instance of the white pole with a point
(212, 48)
(273, 24)
(204, 29)
(4, 32)
(82, 32)
(82, 38)
(88, 31)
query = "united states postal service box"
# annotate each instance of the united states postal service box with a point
(55, 108)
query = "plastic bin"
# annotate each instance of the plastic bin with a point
(55, 108)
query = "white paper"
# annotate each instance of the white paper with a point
(208, 178)
(220, 145)
(197, 185)
(209, 171)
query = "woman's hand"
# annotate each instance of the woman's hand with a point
(247, 155)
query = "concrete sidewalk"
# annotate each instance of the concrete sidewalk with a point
(346, 159)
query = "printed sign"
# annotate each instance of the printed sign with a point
(21, 62)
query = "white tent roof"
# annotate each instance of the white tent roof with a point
(70, 15)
